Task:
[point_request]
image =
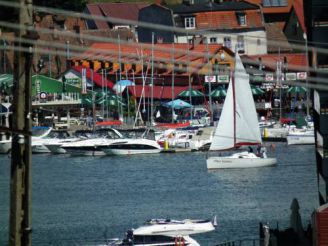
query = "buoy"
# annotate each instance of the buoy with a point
(265, 133)
(166, 144)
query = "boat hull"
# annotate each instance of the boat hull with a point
(110, 151)
(219, 162)
(40, 149)
(300, 139)
(56, 148)
(5, 146)
(84, 151)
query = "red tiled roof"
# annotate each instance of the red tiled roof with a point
(95, 10)
(97, 79)
(160, 92)
(296, 62)
(126, 11)
(131, 52)
(298, 7)
(227, 20)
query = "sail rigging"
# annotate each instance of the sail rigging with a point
(238, 124)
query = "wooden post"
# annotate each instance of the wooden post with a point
(20, 176)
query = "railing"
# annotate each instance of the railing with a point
(243, 242)
(57, 99)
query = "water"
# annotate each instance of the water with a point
(83, 199)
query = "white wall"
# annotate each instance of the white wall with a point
(251, 43)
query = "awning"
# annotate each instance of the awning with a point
(160, 92)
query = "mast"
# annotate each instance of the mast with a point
(307, 72)
(172, 82)
(234, 106)
(152, 81)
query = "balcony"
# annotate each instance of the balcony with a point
(56, 99)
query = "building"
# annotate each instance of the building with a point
(119, 15)
(188, 64)
(235, 24)
(158, 15)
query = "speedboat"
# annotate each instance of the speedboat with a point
(131, 146)
(166, 232)
(91, 146)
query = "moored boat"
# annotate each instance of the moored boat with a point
(166, 232)
(131, 146)
(301, 136)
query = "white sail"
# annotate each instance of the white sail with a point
(240, 117)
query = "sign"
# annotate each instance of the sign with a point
(290, 76)
(38, 86)
(73, 81)
(223, 78)
(43, 95)
(302, 75)
(210, 78)
(269, 77)
(84, 81)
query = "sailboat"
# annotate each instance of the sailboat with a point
(238, 126)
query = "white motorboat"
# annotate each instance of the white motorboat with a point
(238, 126)
(131, 146)
(166, 232)
(91, 147)
(300, 136)
(39, 133)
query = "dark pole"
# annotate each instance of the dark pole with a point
(20, 176)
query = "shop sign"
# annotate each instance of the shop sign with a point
(269, 77)
(210, 78)
(223, 78)
(302, 75)
(290, 76)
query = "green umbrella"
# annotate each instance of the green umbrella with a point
(101, 98)
(296, 89)
(6, 83)
(192, 93)
(256, 91)
(219, 92)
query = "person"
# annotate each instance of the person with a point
(258, 150)
(250, 149)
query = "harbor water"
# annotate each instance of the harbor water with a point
(80, 200)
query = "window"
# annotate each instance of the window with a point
(190, 22)
(213, 40)
(258, 42)
(240, 44)
(227, 42)
(241, 18)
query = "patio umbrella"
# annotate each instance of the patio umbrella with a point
(6, 83)
(296, 89)
(120, 85)
(192, 93)
(177, 104)
(256, 91)
(219, 92)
